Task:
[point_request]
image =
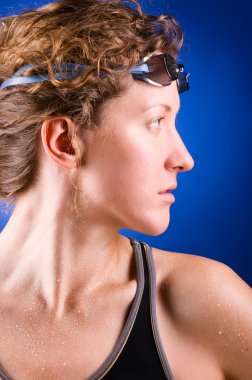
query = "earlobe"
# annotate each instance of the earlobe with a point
(57, 139)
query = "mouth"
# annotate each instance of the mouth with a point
(166, 194)
(168, 189)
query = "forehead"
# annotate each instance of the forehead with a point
(141, 97)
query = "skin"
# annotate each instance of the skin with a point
(74, 276)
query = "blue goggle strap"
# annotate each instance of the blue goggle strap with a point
(71, 71)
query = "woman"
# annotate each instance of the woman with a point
(89, 95)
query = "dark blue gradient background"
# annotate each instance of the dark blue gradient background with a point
(212, 213)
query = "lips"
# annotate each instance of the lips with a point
(168, 189)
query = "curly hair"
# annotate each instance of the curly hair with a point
(109, 36)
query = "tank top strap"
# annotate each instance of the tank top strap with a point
(149, 262)
(3, 375)
(139, 358)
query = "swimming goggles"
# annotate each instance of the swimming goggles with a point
(161, 70)
(158, 70)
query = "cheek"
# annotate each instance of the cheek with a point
(124, 165)
(129, 171)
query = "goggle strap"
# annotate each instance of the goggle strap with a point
(140, 69)
(72, 71)
(16, 79)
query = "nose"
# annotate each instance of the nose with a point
(179, 158)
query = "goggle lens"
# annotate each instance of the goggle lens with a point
(161, 70)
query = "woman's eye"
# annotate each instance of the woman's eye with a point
(156, 123)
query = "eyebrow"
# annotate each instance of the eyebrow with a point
(166, 106)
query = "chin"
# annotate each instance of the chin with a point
(152, 227)
(156, 231)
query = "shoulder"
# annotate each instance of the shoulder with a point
(211, 304)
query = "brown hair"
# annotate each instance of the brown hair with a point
(110, 36)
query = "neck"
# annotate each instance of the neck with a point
(57, 256)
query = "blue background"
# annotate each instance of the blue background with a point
(212, 213)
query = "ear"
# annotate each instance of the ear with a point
(56, 134)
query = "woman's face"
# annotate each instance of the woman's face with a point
(135, 155)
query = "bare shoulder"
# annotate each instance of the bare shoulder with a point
(211, 304)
